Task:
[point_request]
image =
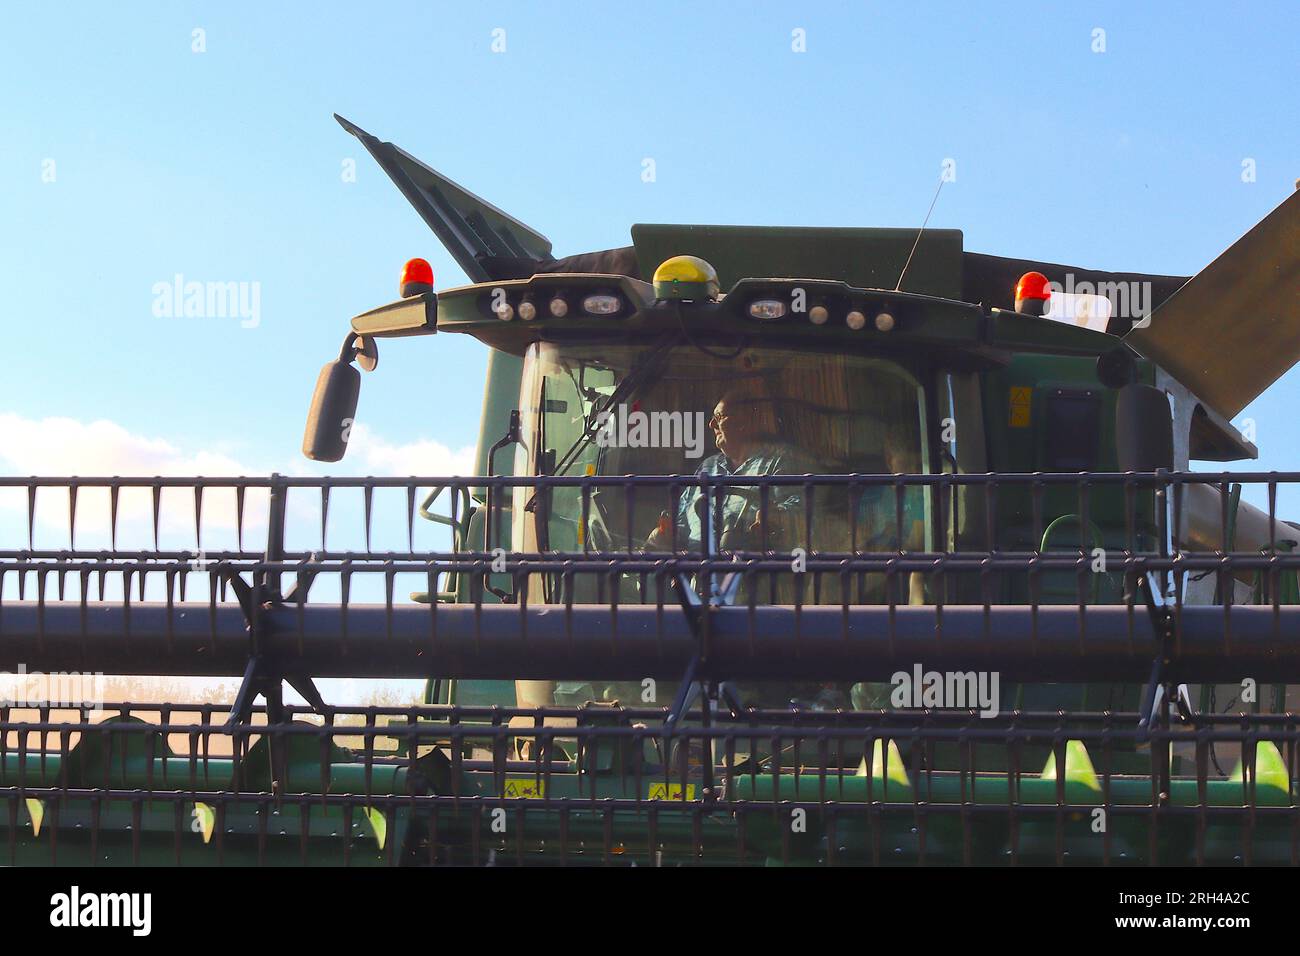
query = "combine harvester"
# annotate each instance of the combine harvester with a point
(945, 592)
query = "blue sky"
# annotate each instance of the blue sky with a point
(225, 165)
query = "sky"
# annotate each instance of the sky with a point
(146, 141)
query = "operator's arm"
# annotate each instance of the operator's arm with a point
(786, 514)
(661, 538)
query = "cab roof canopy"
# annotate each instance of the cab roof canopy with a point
(866, 258)
(491, 245)
(1227, 335)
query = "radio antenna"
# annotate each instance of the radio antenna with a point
(899, 286)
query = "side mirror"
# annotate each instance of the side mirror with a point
(1144, 429)
(333, 407)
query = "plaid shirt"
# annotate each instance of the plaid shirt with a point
(740, 506)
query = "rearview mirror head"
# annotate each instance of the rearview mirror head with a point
(333, 409)
(1144, 429)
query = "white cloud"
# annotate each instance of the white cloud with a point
(375, 456)
(65, 446)
(60, 447)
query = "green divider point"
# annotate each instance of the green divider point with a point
(206, 819)
(897, 771)
(1270, 768)
(35, 810)
(378, 825)
(1078, 766)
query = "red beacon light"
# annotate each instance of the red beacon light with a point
(1032, 294)
(417, 278)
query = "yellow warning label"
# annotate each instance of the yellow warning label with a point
(1020, 406)
(670, 791)
(526, 788)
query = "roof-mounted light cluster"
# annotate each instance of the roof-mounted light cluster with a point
(798, 303)
(825, 303)
(508, 304)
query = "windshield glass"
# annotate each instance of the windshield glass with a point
(670, 407)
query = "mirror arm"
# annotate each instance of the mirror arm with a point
(349, 351)
(493, 499)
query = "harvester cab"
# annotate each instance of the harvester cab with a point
(861, 353)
